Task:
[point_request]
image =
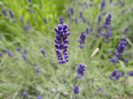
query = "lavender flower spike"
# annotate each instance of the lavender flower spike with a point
(76, 89)
(107, 21)
(4, 12)
(61, 19)
(39, 97)
(102, 5)
(80, 70)
(11, 13)
(130, 73)
(61, 40)
(126, 29)
(45, 20)
(72, 10)
(43, 51)
(25, 93)
(82, 39)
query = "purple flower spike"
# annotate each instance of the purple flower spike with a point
(18, 49)
(126, 29)
(100, 89)
(1, 54)
(102, 5)
(61, 19)
(116, 75)
(26, 28)
(25, 94)
(21, 19)
(80, 70)
(45, 20)
(107, 21)
(82, 39)
(39, 97)
(99, 20)
(72, 10)
(76, 20)
(76, 89)
(127, 60)
(24, 57)
(25, 51)
(4, 12)
(37, 70)
(61, 40)
(130, 73)
(43, 51)
(81, 14)
(87, 30)
(11, 13)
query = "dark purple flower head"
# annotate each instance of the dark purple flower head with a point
(18, 49)
(87, 30)
(21, 19)
(102, 5)
(80, 70)
(26, 28)
(61, 40)
(25, 51)
(81, 14)
(43, 51)
(11, 13)
(37, 70)
(108, 33)
(24, 57)
(84, 19)
(107, 21)
(116, 75)
(121, 46)
(4, 12)
(127, 60)
(1, 54)
(45, 20)
(25, 93)
(100, 89)
(130, 73)
(76, 20)
(9, 52)
(39, 97)
(61, 19)
(126, 29)
(76, 89)
(72, 10)
(82, 39)
(99, 20)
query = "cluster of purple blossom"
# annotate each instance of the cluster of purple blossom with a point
(61, 40)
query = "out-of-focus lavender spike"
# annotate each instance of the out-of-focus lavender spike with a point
(82, 39)
(110, 1)
(31, 11)
(100, 89)
(24, 57)
(18, 49)
(81, 14)
(76, 20)
(14, 20)
(107, 21)
(40, 6)
(4, 12)
(25, 51)
(102, 5)
(72, 10)
(37, 70)
(87, 30)
(69, 15)
(45, 20)
(11, 13)
(39, 97)
(76, 89)
(127, 60)
(21, 19)
(1, 54)
(43, 51)
(25, 94)
(14, 59)
(99, 20)
(126, 29)
(91, 29)
(61, 19)
(84, 19)
(26, 28)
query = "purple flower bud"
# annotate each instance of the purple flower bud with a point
(1, 54)
(99, 20)
(107, 21)
(80, 70)
(127, 60)
(18, 49)
(100, 89)
(102, 5)
(21, 19)
(43, 51)
(76, 89)
(87, 30)
(82, 39)
(37, 70)
(25, 51)
(24, 57)
(25, 94)
(61, 20)
(76, 20)
(39, 97)
(81, 14)
(11, 13)
(4, 12)
(126, 29)
(130, 73)
(45, 20)
(72, 10)
(26, 28)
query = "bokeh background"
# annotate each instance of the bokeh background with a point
(27, 26)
